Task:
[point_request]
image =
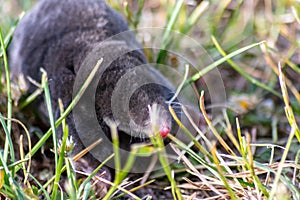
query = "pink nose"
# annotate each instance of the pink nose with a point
(164, 131)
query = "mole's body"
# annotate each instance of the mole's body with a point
(63, 37)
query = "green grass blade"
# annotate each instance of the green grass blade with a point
(294, 132)
(243, 73)
(120, 174)
(189, 134)
(50, 112)
(139, 13)
(10, 34)
(194, 17)
(221, 173)
(72, 191)
(8, 140)
(117, 160)
(158, 143)
(40, 143)
(59, 165)
(83, 185)
(12, 183)
(220, 61)
(8, 88)
(166, 36)
(86, 191)
(30, 98)
(41, 187)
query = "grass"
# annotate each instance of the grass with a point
(250, 150)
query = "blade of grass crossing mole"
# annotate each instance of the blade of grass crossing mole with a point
(40, 143)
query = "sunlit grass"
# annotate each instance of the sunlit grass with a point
(235, 156)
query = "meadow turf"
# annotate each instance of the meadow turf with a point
(247, 144)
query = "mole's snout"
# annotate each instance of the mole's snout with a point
(161, 119)
(165, 130)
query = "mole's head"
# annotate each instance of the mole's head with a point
(140, 97)
(128, 88)
(149, 113)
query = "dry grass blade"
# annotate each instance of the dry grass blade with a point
(194, 170)
(271, 64)
(118, 187)
(258, 170)
(294, 131)
(249, 152)
(221, 173)
(86, 150)
(212, 128)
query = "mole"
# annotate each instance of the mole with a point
(67, 38)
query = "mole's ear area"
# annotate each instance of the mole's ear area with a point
(169, 95)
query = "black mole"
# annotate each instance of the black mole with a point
(63, 37)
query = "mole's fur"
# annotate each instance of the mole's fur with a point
(64, 37)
